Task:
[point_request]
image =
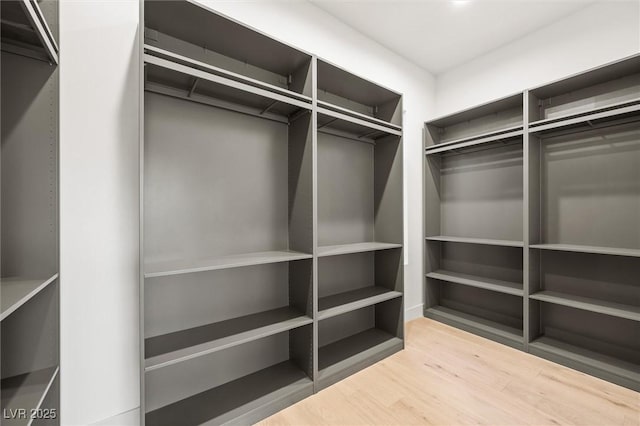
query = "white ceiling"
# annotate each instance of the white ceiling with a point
(441, 34)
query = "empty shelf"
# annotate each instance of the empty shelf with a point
(575, 354)
(589, 304)
(588, 249)
(341, 303)
(357, 115)
(476, 281)
(25, 31)
(477, 324)
(160, 269)
(355, 248)
(355, 352)
(168, 349)
(352, 124)
(18, 291)
(482, 241)
(501, 136)
(589, 118)
(26, 391)
(243, 400)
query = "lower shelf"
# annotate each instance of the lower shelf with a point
(168, 349)
(477, 325)
(341, 303)
(347, 356)
(26, 391)
(589, 304)
(244, 400)
(18, 291)
(600, 365)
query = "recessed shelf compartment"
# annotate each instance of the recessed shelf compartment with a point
(191, 30)
(342, 92)
(176, 267)
(25, 31)
(493, 121)
(240, 384)
(597, 94)
(589, 192)
(26, 392)
(357, 339)
(604, 345)
(18, 291)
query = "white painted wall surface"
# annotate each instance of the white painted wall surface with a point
(603, 32)
(98, 209)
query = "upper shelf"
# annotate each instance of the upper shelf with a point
(192, 30)
(186, 81)
(605, 88)
(488, 122)
(613, 251)
(18, 291)
(25, 30)
(345, 92)
(481, 241)
(512, 134)
(340, 249)
(340, 124)
(176, 267)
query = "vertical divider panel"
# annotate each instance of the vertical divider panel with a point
(314, 167)
(141, 121)
(528, 204)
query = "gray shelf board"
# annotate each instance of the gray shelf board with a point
(24, 25)
(26, 391)
(172, 348)
(475, 322)
(18, 291)
(353, 125)
(481, 241)
(337, 304)
(330, 106)
(353, 350)
(223, 81)
(600, 74)
(341, 249)
(587, 357)
(254, 392)
(588, 249)
(477, 281)
(171, 56)
(589, 304)
(487, 108)
(625, 110)
(176, 267)
(502, 136)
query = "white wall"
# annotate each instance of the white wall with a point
(603, 32)
(309, 28)
(99, 180)
(98, 209)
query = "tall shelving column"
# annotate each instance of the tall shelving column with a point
(29, 283)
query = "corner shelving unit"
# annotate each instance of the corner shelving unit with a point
(581, 227)
(473, 225)
(29, 281)
(259, 250)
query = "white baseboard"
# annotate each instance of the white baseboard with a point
(413, 312)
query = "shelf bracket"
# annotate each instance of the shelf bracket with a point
(268, 107)
(326, 124)
(193, 87)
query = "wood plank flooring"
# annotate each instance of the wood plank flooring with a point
(446, 376)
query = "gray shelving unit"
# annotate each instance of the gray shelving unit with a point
(271, 220)
(532, 227)
(29, 281)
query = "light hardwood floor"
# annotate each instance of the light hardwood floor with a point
(446, 376)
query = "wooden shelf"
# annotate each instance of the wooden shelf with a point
(355, 248)
(161, 269)
(18, 291)
(588, 249)
(482, 241)
(339, 359)
(593, 360)
(26, 391)
(168, 349)
(356, 115)
(477, 281)
(483, 139)
(352, 124)
(341, 303)
(589, 304)
(242, 401)
(475, 324)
